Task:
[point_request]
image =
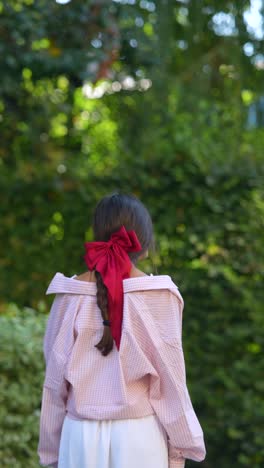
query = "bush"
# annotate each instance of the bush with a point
(22, 373)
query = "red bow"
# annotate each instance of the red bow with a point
(112, 261)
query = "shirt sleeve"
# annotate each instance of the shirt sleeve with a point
(55, 387)
(169, 394)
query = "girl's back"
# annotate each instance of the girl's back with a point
(140, 381)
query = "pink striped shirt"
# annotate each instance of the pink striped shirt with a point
(146, 376)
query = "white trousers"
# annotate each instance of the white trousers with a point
(119, 443)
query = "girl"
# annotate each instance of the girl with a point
(115, 394)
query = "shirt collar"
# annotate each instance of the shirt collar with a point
(64, 284)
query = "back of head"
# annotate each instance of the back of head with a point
(118, 209)
(111, 212)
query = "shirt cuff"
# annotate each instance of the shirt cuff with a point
(176, 463)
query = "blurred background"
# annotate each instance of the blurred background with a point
(163, 99)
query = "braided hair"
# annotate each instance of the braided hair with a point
(110, 214)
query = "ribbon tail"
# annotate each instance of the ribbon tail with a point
(116, 319)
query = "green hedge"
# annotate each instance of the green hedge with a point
(21, 368)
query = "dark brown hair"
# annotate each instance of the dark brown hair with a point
(110, 214)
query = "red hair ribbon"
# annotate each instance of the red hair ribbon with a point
(112, 261)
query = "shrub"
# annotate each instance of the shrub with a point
(22, 373)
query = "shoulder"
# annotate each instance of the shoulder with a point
(136, 273)
(151, 286)
(159, 310)
(152, 291)
(88, 276)
(61, 284)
